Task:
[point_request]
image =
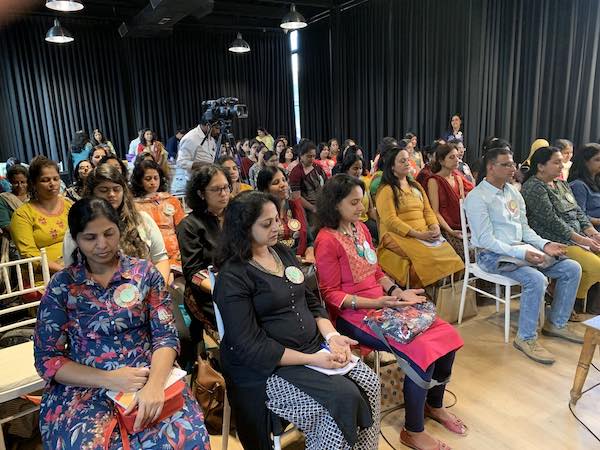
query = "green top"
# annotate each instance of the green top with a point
(553, 212)
(6, 213)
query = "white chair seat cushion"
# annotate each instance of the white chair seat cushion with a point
(17, 367)
(474, 269)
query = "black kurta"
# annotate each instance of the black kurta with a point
(263, 314)
(198, 235)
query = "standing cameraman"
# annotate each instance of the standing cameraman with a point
(195, 146)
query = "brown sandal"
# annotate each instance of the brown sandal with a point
(455, 425)
(406, 439)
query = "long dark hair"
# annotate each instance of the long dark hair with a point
(84, 211)
(389, 178)
(236, 237)
(139, 170)
(336, 189)
(201, 178)
(579, 170)
(541, 156)
(35, 172)
(265, 177)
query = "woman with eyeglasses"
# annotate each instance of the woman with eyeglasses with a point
(140, 237)
(149, 187)
(208, 194)
(406, 217)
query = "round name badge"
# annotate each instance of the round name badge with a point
(169, 209)
(512, 207)
(294, 274)
(370, 255)
(294, 225)
(126, 295)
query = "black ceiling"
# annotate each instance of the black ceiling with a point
(238, 14)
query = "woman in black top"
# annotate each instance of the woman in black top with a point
(207, 195)
(274, 326)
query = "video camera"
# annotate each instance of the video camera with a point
(224, 108)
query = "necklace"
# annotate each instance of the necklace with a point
(278, 264)
(354, 235)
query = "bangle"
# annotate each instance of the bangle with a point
(330, 335)
(353, 302)
(392, 288)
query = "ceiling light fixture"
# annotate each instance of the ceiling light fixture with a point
(58, 35)
(64, 5)
(239, 45)
(293, 20)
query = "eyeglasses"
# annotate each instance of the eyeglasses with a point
(507, 165)
(219, 189)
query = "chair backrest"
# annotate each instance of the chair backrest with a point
(464, 230)
(20, 288)
(219, 319)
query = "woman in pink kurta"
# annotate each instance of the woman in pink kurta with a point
(352, 283)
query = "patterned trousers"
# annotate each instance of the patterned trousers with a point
(320, 429)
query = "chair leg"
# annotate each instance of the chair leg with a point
(226, 423)
(377, 363)
(463, 297)
(498, 294)
(506, 313)
(277, 442)
(2, 444)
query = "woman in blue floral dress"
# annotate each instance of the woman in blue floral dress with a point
(105, 323)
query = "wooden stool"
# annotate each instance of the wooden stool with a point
(590, 340)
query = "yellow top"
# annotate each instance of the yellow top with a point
(33, 230)
(414, 213)
(365, 200)
(245, 187)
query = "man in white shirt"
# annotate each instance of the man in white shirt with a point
(133, 145)
(195, 146)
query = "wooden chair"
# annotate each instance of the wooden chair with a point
(18, 376)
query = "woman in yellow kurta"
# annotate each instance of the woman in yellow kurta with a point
(42, 222)
(408, 225)
(148, 185)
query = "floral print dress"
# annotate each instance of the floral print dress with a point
(106, 328)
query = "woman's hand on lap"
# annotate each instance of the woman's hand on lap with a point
(149, 401)
(340, 346)
(326, 360)
(410, 296)
(128, 379)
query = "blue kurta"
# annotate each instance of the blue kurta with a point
(106, 328)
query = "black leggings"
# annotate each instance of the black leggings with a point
(414, 396)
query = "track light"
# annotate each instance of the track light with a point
(293, 20)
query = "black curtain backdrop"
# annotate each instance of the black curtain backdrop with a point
(519, 69)
(119, 85)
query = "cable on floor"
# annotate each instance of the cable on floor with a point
(575, 415)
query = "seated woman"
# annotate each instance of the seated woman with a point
(274, 326)
(231, 167)
(82, 170)
(42, 222)
(295, 233)
(149, 143)
(106, 323)
(207, 195)
(445, 188)
(140, 236)
(412, 227)
(323, 159)
(353, 165)
(97, 154)
(352, 284)
(584, 180)
(553, 213)
(9, 202)
(149, 187)
(117, 163)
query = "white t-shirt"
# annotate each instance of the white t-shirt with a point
(191, 150)
(148, 230)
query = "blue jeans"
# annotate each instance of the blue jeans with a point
(414, 396)
(533, 286)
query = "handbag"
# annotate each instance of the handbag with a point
(447, 302)
(392, 382)
(174, 401)
(209, 389)
(402, 324)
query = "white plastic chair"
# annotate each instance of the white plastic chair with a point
(18, 375)
(473, 271)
